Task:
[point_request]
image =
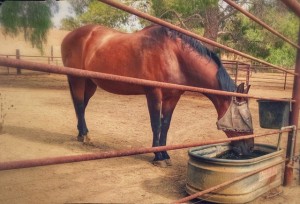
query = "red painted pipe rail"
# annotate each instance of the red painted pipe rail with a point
(186, 32)
(257, 20)
(120, 153)
(21, 64)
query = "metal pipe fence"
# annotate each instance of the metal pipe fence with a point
(71, 71)
(238, 70)
(33, 58)
(143, 82)
(121, 153)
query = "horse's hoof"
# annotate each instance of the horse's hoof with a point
(80, 138)
(161, 164)
(168, 162)
(85, 139)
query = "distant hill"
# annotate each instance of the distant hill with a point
(8, 45)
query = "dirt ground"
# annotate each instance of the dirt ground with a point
(39, 121)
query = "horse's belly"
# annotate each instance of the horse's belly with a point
(119, 87)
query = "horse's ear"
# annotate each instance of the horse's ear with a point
(247, 89)
(240, 88)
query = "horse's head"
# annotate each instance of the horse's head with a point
(237, 121)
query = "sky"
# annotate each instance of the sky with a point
(64, 11)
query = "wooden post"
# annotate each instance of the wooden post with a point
(7, 67)
(51, 53)
(18, 56)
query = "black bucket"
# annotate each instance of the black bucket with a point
(273, 114)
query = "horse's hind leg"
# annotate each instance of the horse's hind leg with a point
(77, 89)
(90, 89)
(168, 107)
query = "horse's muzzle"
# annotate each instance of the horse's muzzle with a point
(243, 147)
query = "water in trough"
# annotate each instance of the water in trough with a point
(230, 154)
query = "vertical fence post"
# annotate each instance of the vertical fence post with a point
(18, 57)
(51, 53)
(288, 173)
(248, 75)
(7, 67)
(236, 71)
(285, 76)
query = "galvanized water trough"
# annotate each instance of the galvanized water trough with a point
(205, 171)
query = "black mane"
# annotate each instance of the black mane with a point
(224, 79)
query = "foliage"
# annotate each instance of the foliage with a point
(247, 36)
(79, 6)
(179, 12)
(286, 23)
(70, 23)
(103, 14)
(234, 29)
(95, 12)
(31, 18)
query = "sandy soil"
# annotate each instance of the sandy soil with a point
(39, 121)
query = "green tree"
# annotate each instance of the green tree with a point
(247, 36)
(31, 18)
(204, 17)
(219, 22)
(95, 12)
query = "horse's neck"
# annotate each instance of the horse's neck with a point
(199, 70)
(221, 103)
(203, 73)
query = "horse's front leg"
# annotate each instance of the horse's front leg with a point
(166, 120)
(154, 106)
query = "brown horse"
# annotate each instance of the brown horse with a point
(159, 54)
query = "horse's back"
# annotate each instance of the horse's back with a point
(145, 54)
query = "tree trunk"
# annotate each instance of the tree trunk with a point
(211, 24)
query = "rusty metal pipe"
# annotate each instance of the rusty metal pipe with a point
(196, 195)
(142, 82)
(263, 24)
(294, 117)
(186, 32)
(292, 127)
(119, 153)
